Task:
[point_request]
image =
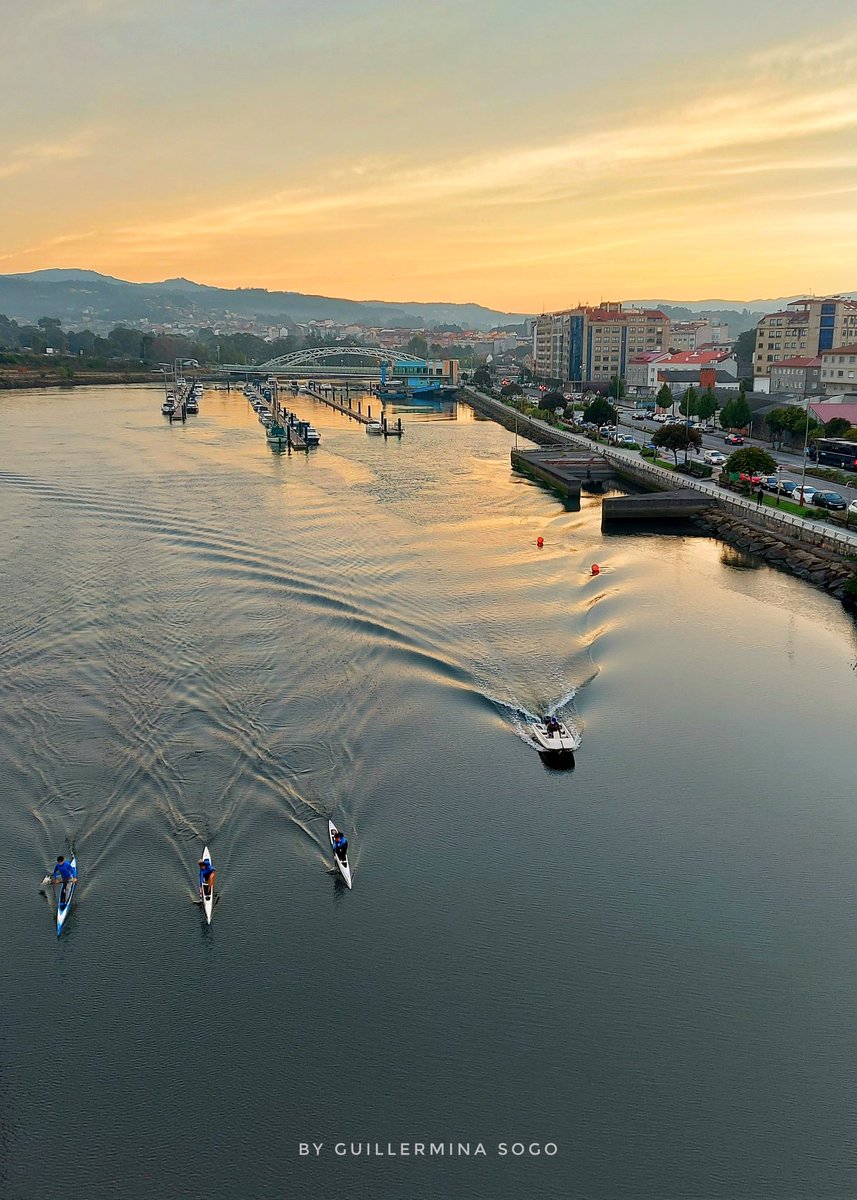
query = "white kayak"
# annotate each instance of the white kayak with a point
(64, 902)
(560, 740)
(207, 893)
(342, 864)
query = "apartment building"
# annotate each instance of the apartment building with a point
(839, 370)
(594, 344)
(693, 335)
(804, 328)
(801, 376)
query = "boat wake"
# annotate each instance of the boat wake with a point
(522, 717)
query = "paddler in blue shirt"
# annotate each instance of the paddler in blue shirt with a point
(340, 846)
(206, 877)
(63, 871)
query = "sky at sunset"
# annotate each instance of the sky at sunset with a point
(526, 156)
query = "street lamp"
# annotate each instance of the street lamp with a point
(165, 369)
(805, 443)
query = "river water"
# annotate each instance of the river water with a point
(646, 962)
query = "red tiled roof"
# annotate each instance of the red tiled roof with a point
(827, 411)
(839, 350)
(797, 362)
(698, 358)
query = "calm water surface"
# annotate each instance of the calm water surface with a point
(648, 960)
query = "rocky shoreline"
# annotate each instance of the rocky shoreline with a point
(816, 565)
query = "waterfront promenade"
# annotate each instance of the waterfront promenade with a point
(629, 465)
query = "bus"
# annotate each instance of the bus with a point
(834, 452)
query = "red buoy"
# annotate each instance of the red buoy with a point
(596, 570)
(540, 542)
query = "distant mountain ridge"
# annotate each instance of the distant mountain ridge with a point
(78, 297)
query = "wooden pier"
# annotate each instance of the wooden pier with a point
(317, 392)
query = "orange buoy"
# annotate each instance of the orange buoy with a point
(540, 542)
(596, 570)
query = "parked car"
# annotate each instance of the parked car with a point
(714, 458)
(626, 440)
(831, 500)
(754, 480)
(773, 483)
(661, 418)
(852, 510)
(734, 439)
(804, 495)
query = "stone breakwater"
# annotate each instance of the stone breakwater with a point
(817, 565)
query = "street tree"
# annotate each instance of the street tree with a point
(482, 377)
(689, 403)
(677, 437)
(600, 412)
(838, 428)
(617, 388)
(750, 460)
(511, 389)
(745, 347)
(707, 405)
(741, 415)
(665, 396)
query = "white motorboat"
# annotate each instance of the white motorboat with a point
(557, 741)
(374, 427)
(312, 437)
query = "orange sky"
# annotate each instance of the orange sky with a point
(524, 158)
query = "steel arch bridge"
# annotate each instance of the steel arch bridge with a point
(318, 361)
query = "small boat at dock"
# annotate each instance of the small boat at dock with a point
(374, 427)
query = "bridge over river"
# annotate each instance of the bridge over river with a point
(370, 364)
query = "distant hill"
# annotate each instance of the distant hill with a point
(79, 298)
(739, 315)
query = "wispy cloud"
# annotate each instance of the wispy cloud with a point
(750, 128)
(66, 239)
(34, 155)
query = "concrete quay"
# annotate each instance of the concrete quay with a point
(628, 465)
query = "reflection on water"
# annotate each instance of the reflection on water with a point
(205, 642)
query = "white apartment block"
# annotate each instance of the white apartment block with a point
(805, 328)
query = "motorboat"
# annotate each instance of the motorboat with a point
(312, 437)
(374, 427)
(168, 407)
(559, 740)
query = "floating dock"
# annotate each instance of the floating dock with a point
(356, 414)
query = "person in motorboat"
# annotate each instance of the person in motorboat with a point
(551, 725)
(63, 871)
(206, 878)
(340, 846)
